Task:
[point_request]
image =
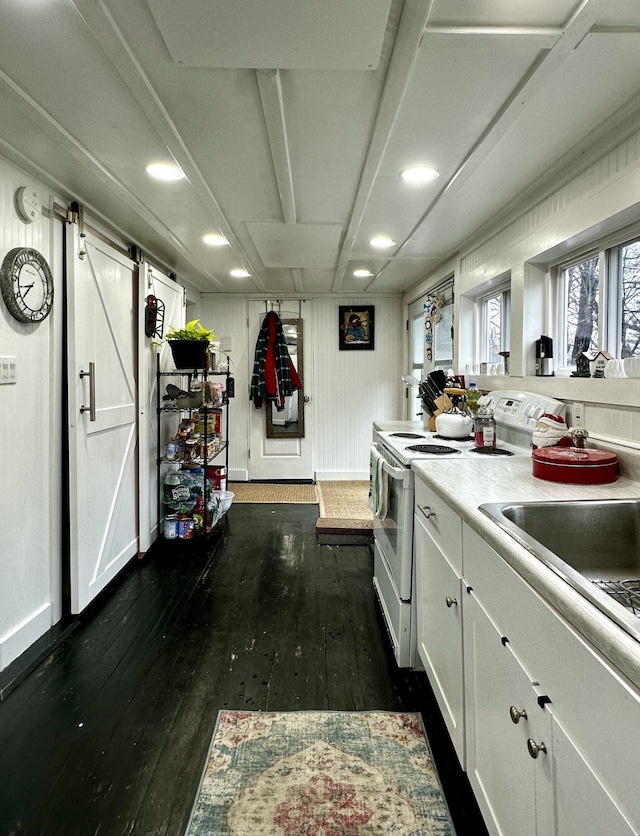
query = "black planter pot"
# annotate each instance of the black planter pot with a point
(189, 354)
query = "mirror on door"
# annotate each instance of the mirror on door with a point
(289, 422)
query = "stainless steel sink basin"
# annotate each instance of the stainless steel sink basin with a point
(592, 544)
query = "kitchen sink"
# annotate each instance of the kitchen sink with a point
(594, 545)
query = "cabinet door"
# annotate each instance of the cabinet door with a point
(512, 788)
(439, 631)
(582, 805)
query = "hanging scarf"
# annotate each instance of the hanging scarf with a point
(274, 376)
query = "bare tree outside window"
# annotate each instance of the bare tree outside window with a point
(581, 301)
(494, 328)
(630, 331)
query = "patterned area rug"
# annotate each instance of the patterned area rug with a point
(274, 493)
(319, 773)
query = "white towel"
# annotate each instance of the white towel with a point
(379, 485)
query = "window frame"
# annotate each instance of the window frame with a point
(607, 249)
(502, 290)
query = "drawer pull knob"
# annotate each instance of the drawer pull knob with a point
(535, 748)
(426, 510)
(451, 602)
(516, 714)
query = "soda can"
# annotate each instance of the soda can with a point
(186, 528)
(173, 448)
(170, 527)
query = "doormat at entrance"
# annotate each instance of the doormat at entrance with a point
(319, 773)
(274, 493)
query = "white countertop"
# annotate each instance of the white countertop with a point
(465, 484)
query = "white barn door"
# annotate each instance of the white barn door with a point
(102, 417)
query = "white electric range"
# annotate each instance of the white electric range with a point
(516, 413)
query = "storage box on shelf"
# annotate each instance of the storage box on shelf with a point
(192, 456)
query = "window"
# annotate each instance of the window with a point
(579, 307)
(598, 302)
(443, 338)
(628, 283)
(495, 332)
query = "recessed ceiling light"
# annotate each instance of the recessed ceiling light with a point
(362, 274)
(419, 174)
(165, 171)
(214, 239)
(240, 274)
(381, 242)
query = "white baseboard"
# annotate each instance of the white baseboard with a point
(341, 475)
(23, 636)
(238, 475)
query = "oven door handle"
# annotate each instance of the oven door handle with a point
(394, 472)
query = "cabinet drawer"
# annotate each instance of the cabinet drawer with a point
(442, 522)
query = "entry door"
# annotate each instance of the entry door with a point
(281, 458)
(102, 419)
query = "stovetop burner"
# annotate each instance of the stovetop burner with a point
(492, 451)
(435, 449)
(451, 438)
(406, 435)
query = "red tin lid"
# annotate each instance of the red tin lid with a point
(570, 464)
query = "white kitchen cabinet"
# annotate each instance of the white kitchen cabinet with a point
(494, 649)
(439, 611)
(510, 786)
(585, 783)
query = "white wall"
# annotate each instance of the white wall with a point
(597, 199)
(350, 389)
(30, 557)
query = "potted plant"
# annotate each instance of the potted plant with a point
(189, 345)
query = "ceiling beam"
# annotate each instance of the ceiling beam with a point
(537, 76)
(405, 50)
(113, 43)
(270, 88)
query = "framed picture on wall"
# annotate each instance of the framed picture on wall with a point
(356, 327)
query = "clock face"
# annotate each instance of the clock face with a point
(27, 285)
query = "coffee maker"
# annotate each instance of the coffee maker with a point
(544, 357)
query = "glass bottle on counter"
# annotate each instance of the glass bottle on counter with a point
(484, 427)
(473, 396)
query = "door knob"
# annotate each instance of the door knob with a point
(516, 714)
(535, 748)
(451, 602)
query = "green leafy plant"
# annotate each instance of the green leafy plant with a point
(192, 331)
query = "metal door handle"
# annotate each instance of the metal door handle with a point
(450, 602)
(516, 714)
(426, 510)
(535, 748)
(91, 409)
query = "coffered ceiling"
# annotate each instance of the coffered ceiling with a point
(292, 120)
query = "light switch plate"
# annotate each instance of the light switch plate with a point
(8, 371)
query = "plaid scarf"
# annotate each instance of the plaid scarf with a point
(274, 376)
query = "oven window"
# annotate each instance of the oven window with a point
(391, 523)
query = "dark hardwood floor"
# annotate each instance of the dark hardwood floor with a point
(110, 732)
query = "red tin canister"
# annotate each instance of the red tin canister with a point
(575, 466)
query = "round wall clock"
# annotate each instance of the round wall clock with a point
(27, 284)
